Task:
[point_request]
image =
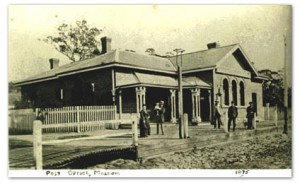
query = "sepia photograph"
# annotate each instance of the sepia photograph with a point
(150, 90)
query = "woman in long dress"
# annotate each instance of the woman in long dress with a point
(144, 125)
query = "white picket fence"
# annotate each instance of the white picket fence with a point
(66, 119)
(80, 118)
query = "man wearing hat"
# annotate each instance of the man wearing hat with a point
(232, 114)
(250, 115)
(217, 114)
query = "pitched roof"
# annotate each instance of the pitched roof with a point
(202, 59)
(190, 61)
(114, 56)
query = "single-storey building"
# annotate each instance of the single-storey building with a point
(129, 80)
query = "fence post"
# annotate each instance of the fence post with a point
(254, 121)
(37, 144)
(78, 119)
(185, 125)
(275, 115)
(134, 132)
(268, 110)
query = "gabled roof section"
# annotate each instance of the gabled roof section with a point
(194, 81)
(211, 58)
(122, 58)
(202, 59)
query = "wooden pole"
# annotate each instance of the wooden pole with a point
(285, 129)
(275, 116)
(120, 105)
(37, 144)
(185, 125)
(180, 102)
(134, 132)
(254, 121)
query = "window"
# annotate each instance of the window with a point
(242, 94)
(234, 92)
(226, 92)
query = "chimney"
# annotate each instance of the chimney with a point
(106, 45)
(54, 63)
(213, 45)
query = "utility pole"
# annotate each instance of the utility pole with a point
(285, 127)
(180, 98)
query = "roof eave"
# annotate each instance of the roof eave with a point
(112, 64)
(199, 69)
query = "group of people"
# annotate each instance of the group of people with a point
(159, 113)
(232, 115)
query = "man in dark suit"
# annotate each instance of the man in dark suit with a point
(250, 115)
(232, 115)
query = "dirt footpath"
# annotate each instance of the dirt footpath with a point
(271, 151)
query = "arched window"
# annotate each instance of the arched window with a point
(242, 94)
(226, 91)
(234, 92)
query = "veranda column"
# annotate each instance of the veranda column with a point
(173, 106)
(209, 105)
(198, 104)
(120, 104)
(193, 105)
(140, 98)
(137, 94)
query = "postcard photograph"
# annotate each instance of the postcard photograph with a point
(150, 90)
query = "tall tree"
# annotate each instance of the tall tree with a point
(273, 89)
(77, 41)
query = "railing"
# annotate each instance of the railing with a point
(80, 118)
(66, 119)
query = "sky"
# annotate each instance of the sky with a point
(258, 29)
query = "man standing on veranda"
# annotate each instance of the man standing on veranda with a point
(232, 115)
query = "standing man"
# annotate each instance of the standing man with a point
(250, 115)
(217, 115)
(161, 117)
(232, 114)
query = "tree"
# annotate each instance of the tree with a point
(273, 89)
(76, 42)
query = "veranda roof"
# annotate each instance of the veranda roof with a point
(131, 79)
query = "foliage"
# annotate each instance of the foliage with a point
(22, 104)
(76, 42)
(273, 89)
(12, 88)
